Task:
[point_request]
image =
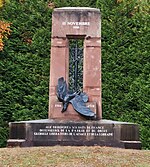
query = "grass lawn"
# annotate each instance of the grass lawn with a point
(61, 156)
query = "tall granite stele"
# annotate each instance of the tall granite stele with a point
(69, 127)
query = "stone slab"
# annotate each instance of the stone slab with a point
(76, 21)
(52, 132)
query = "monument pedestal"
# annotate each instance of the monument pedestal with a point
(50, 132)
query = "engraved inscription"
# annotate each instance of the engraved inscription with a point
(76, 25)
(71, 130)
(58, 105)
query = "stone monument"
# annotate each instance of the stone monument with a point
(76, 23)
(70, 127)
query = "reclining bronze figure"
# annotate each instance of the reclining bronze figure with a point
(77, 99)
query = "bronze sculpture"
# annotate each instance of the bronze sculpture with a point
(77, 99)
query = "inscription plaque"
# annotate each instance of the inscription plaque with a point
(68, 131)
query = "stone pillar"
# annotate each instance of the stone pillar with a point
(92, 72)
(75, 23)
(58, 68)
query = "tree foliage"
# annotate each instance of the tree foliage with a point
(4, 32)
(24, 61)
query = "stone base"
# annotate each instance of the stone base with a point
(74, 133)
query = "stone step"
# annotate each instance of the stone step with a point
(15, 142)
(132, 144)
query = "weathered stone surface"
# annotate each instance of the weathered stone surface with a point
(59, 65)
(74, 133)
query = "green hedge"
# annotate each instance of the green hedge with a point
(126, 63)
(24, 65)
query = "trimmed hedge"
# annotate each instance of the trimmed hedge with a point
(24, 65)
(126, 63)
